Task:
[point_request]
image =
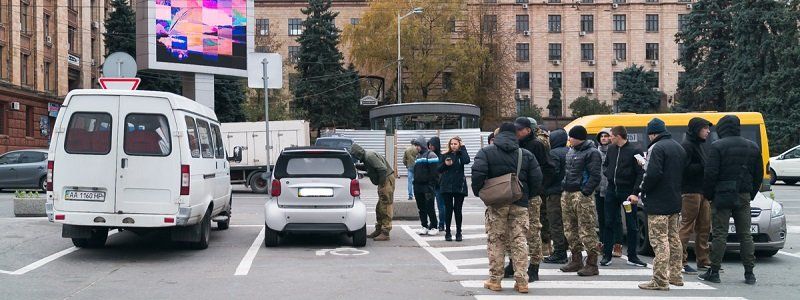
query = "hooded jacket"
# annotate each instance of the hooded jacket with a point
(558, 142)
(425, 175)
(582, 166)
(695, 156)
(604, 151)
(378, 169)
(621, 168)
(453, 180)
(663, 172)
(409, 156)
(500, 158)
(541, 151)
(437, 146)
(732, 158)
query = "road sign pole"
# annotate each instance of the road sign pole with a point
(265, 62)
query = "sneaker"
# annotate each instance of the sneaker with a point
(650, 285)
(459, 237)
(749, 278)
(410, 198)
(433, 231)
(711, 276)
(687, 269)
(635, 261)
(606, 261)
(423, 231)
(448, 237)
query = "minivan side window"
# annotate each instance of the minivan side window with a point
(147, 135)
(206, 146)
(220, 148)
(191, 135)
(88, 133)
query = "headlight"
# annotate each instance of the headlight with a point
(776, 210)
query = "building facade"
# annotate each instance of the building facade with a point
(47, 47)
(578, 44)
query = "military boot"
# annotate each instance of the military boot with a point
(521, 286)
(382, 237)
(712, 275)
(509, 270)
(575, 263)
(375, 233)
(492, 285)
(533, 272)
(558, 257)
(590, 269)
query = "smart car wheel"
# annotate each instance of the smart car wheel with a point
(773, 178)
(271, 237)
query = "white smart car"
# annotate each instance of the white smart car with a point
(315, 190)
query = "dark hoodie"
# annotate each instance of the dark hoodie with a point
(377, 167)
(437, 146)
(731, 159)
(425, 175)
(558, 142)
(695, 156)
(542, 154)
(501, 158)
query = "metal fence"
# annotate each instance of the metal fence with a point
(470, 137)
(373, 140)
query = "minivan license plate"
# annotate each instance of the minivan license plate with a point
(753, 228)
(315, 192)
(85, 196)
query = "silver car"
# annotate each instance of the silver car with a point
(23, 169)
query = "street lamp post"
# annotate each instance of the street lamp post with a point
(416, 10)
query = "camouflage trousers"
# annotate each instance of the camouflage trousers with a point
(507, 226)
(666, 244)
(580, 222)
(384, 209)
(535, 232)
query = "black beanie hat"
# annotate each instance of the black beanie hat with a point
(508, 127)
(578, 133)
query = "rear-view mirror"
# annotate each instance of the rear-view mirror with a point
(237, 155)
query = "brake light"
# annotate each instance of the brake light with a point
(355, 188)
(185, 179)
(50, 166)
(60, 217)
(275, 191)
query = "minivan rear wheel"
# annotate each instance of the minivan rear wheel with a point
(257, 184)
(205, 232)
(96, 240)
(360, 237)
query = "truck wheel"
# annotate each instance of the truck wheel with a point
(360, 237)
(97, 239)
(205, 232)
(271, 237)
(643, 247)
(258, 184)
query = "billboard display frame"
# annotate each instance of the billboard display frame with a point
(146, 48)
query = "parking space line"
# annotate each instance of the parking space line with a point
(466, 237)
(624, 285)
(450, 267)
(789, 254)
(247, 261)
(39, 263)
(557, 272)
(464, 248)
(538, 297)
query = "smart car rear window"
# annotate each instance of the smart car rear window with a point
(323, 165)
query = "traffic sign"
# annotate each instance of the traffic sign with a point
(116, 83)
(119, 64)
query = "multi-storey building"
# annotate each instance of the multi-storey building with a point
(47, 47)
(579, 44)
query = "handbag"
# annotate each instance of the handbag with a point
(504, 189)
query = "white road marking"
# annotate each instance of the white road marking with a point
(538, 297)
(436, 254)
(466, 237)
(464, 248)
(793, 229)
(789, 254)
(39, 263)
(556, 272)
(571, 285)
(247, 260)
(248, 225)
(471, 261)
(25, 218)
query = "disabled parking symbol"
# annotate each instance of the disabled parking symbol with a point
(343, 251)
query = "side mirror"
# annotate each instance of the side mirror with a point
(237, 155)
(781, 157)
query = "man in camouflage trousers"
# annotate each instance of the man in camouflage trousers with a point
(577, 204)
(380, 173)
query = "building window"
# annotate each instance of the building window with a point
(71, 5)
(587, 1)
(71, 38)
(24, 11)
(553, 1)
(619, 22)
(2, 118)
(452, 24)
(29, 121)
(46, 76)
(620, 51)
(587, 52)
(587, 23)
(489, 1)
(490, 23)
(524, 103)
(681, 50)
(554, 23)
(355, 21)
(523, 51)
(522, 1)
(656, 84)
(23, 61)
(651, 1)
(683, 21)
(651, 51)
(447, 80)
(619, 1)
(523, 23)
(554, 51)
(294, 53)
(680, 75)
(262, 27)
(651, 24)
(616, 78)
(295, 27)
(555, 79)
(523, 80)
(46, 25)
(587, 80)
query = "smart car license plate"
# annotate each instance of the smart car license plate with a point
(315, 192)
(753, 228)
(85, 196)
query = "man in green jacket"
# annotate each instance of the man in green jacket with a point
(380, 173)
(408, 160)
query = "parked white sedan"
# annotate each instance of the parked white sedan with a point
(785, 167)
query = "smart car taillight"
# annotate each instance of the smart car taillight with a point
(50, 166)
(185, 179)
(275, 191)
(355, 188)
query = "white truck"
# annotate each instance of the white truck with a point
(250, 139)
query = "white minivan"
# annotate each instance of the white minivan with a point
(138, 161)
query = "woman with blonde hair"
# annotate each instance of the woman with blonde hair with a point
(453, 184)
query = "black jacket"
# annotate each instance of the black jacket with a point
(453, 180)
(733, 158)
(542, 154)
(661, 183)
(425, 166)
(695, 157)
(499, 159)
(558, 143)
(621, 168)
(582, 168)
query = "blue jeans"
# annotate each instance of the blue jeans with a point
(613, 223)
(410, 184)
(440, 206)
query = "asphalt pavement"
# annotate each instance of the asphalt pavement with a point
(36, 263)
